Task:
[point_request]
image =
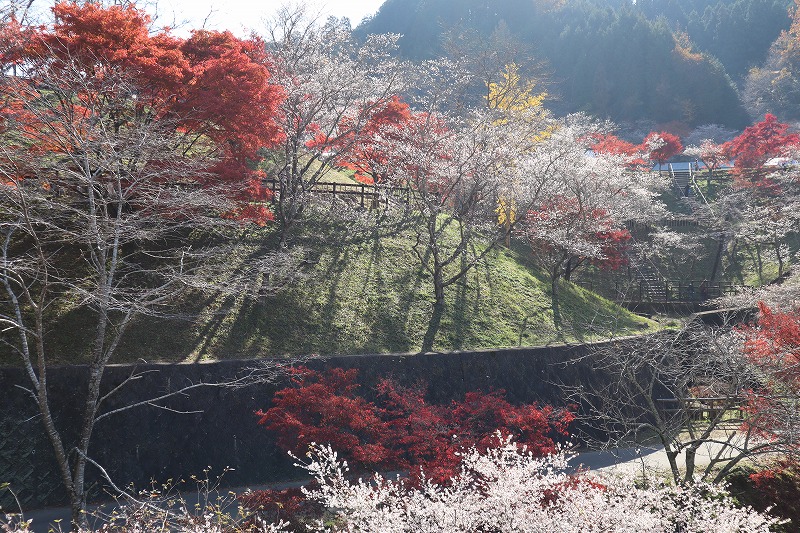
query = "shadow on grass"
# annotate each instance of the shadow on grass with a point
(364, 294)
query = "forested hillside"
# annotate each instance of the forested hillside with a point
(738, 33)
(663, 61)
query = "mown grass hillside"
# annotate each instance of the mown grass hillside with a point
(365, 293)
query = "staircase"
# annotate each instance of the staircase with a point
(681, 179)
(645, 282)
(651, 285)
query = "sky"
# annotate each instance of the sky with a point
(239, 16)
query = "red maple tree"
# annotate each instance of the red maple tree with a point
(611, 144)
(570, 233)
(773, 347)
(368, 157)
(400, 430)
(756, 146)
(777, 489)
(658, 147)
(396, 146)
(662, 146)
(213, 88)
(774, 344)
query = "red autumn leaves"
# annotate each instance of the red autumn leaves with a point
(399, 429)
(212, 88)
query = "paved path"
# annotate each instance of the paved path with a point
(651, 459)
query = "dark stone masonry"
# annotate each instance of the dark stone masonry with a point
(215, 426)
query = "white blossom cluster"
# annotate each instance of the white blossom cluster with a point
(601, 189)
(206, 523)
(508, 489)
(157, 520)
(505, 489)
(783, 297)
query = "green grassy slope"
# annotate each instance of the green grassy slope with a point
(371, 296)
(365, 296)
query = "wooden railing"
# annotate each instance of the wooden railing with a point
(692, 290)
(685, 222)
(669, 291)
(708, 407)
(367, 196)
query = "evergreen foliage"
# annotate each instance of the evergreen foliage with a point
(660, 61)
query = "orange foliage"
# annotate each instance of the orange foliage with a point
(753, 149)
(212, 85)
(775, 343)
(368, 157)
(773, 346)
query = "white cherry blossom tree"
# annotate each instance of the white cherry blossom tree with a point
(508, 489)
(333, 86)
(589, 197)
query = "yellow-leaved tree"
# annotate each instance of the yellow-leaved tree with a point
(517, 99)
(513, 94)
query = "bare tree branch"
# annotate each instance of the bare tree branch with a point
(685, 390)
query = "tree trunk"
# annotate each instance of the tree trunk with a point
(554, 277)
(286, 227)
(760, 264)
(79, 520)
(61, 456)
(438, 287)
(734, 250)
(438, 310)
(78, 493)
(779, 257)
(691, 455)
(672, 458)
(718, 257)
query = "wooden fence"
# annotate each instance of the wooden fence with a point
(367, 196)
(664, 291)
(686, 222)
(708, 407)
(689, 291)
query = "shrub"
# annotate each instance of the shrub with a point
(775, 490)
(400, 430)
(508, 488)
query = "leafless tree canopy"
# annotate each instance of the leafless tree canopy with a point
(333, 87)
(105, 210)
(685, 390)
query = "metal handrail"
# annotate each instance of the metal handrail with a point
(699, 191)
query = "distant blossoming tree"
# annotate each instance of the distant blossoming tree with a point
(589, 195)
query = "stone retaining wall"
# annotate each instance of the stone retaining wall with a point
(215, 426)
